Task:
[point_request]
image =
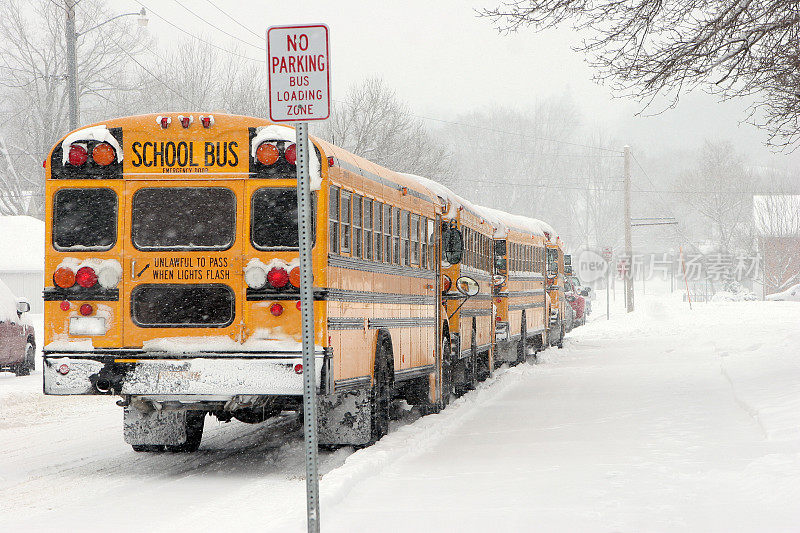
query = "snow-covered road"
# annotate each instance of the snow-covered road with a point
(661, 420)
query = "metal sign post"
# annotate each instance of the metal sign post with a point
(299, 91)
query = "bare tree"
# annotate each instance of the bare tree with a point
(719, 188)
(373, 123)
(654, 48)
(34, 89)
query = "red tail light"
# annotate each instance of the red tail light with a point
(267, 153)
(446, 283)
(291, 154)
(330, 161)
(298, 305)
(185, 121)
(298, 368)
(86, 277)
(63, 370)
(165, 122)
(498, 318)
(207, 121)
(64, 305)
(276, 309)
(77, 155)
(86, 309)
(277, 277)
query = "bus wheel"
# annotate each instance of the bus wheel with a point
(194, 433)
(448, 381)
(381, 397)
(522, 345)
(472, 369)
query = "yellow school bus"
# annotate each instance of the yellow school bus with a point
(172, 278)
(468, 323)
(519, 291)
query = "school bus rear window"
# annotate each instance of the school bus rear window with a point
(84, 219)
(177, 218)
(274, 218)
(188, 306)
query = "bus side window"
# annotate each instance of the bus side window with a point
(431, 247)
(396, 235)
(387, 233)
(405, 235)
(358, 237)
(333, 219)
(344, 218)
(367, 229)
(423, 238)
(378, 228)
(414, 229)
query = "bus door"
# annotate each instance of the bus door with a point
(182, 273)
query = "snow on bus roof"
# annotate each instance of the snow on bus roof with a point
(532, 225)
(365, 165)
(455, 201)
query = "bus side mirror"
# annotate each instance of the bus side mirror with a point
(467, 286)
(452, 246)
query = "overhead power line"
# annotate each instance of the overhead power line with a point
(233, 19)
(261, 48)
(149, 10)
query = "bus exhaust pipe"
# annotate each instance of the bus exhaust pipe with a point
(103, 386)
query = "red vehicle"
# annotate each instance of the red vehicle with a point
(576, 301)
(17, 339)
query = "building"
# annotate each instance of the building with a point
(22, 258)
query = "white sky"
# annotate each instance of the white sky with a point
(444, 60)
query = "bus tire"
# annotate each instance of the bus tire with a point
(194, 433)
(522, 345)
(381, 394)
(472, 369)
(448, 371)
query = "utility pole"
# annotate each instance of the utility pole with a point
(72, 65)
(628, 247)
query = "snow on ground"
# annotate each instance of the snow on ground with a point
(662, 420)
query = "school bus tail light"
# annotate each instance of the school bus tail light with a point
(77, 154)
(186, 121)
(294, 277)
(277, 277)
(109, 275)
(255, 277)
(64, 277)
(207, 121)
(86, 309)
(103, 154)
(164, 122)
(267, 153)
(276, 309)
(290, 154)
(86, 277)
(446, 283)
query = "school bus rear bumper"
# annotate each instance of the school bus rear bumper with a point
(206, 375)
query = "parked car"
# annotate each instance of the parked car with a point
(792, 294)
(577, 302)
(17, 338)
(585, 291)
